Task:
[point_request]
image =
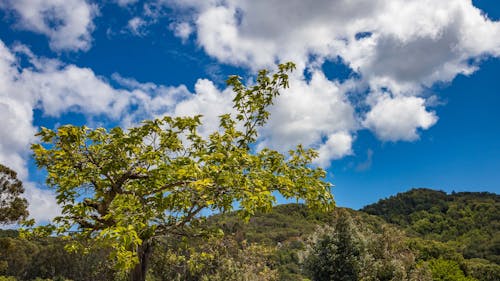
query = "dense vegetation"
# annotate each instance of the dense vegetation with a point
(417, 235)
(470, 220)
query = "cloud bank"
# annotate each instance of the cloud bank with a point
(398, 49)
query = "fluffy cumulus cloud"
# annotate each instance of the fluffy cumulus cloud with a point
(67, 23)
(311, 112)
(16, 115)
(150, 100)
(399, 47)
(42, 203)
(399, 118)
(207, 101)
(336, 146)
(17, 131)
(399, 41)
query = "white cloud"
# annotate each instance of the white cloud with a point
(56, 88)
(182, 30)
(137, 26)
(148, 99)
(411, 41)
(367, 163)
(207, 101)
(17, 132)
(399, 118)
(308, 112)
(399, 46)
(16, 113)
(42, 203)
(124, 3)
(68, 23)
(336, 146)
(75, 88)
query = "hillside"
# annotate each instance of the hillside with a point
(418, 235)
(469, 219)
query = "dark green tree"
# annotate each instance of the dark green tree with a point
(335, 256)
(12, 206)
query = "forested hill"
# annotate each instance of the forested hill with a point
(419, 235)
(471, 219)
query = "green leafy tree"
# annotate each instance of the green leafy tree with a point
(129, 188)
(447, 270)
(335, 256)
(12, 207)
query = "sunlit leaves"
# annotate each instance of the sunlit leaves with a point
(130, 186)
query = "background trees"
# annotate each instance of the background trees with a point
(12, 206)
(336, 253)
(469, 218)
(358, 247)
(128, 188)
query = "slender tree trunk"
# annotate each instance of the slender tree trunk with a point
(140, 270)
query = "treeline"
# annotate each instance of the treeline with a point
(47, 259)
(394, 239)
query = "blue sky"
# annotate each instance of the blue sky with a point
(394, 94)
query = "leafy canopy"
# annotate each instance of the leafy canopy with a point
(126, 187)
(12, 206)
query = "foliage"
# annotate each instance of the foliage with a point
(466, 221)
(12, 207)
(431, 249)
(126, 189)
(483, 270)
(46, 258)
(285, 222)
(447, 270)
(335, 256)
(359, 247)
(215, 258)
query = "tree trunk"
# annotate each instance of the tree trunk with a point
(140, 270)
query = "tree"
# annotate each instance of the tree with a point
(128, 188)
(335, 256)
(12, 207)
(447, 270)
